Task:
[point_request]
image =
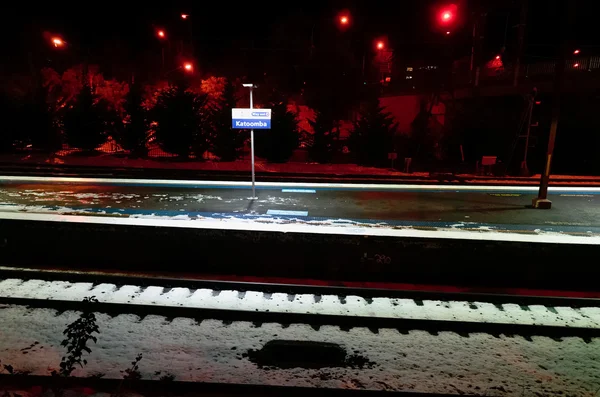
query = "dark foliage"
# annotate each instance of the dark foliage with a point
(181, 119)
(227, 142)
(87, 121)
(323, 143)
(134, 134)
(77, 336)
(278, 144)
(133, 372)
(38, 122)
(372, 137)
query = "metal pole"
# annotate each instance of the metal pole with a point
(524, 168)
(252, 151)
(542, 201)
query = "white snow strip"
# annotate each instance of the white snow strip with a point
(210, 351)
(170, 182)
(253, 301)
(285, 212)
(298, 191)
(183, 221)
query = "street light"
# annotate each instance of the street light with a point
(447, 15)
(344, 20)
(162, 35)
(251, 87)
(58, 42)
(188, 67)
(380, 45)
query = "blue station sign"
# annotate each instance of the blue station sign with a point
(258, 119)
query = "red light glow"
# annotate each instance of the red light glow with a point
(57, 42)
(161, 34)
(447, 15)
(188, 67)
(344, 20)
(380, 45)
(448, 32)
(497, 56)
(184, 16)
(576, 65)
(576, 52)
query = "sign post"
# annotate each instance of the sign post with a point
(392, 156)
(253, 119)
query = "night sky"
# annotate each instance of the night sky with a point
(114, 32)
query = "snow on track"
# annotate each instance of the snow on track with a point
(481, 312)
(212, 351)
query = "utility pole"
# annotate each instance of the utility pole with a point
(251, 87)
(476, 45)
(524, 168)
(542, 201)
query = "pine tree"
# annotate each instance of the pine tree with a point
(86, 121)
(323, 142)
(227, 142)
(38, 122)
(278, 144)
(181, 118)
(134, 134)
(372, 137)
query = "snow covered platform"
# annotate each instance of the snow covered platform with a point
(442, 234)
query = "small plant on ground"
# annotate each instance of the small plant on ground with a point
(167, 378)
(78, 334)
(133, 372)
(9, 369)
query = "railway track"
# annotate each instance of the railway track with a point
(317, 306)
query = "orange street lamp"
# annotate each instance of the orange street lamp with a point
(58, 42)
